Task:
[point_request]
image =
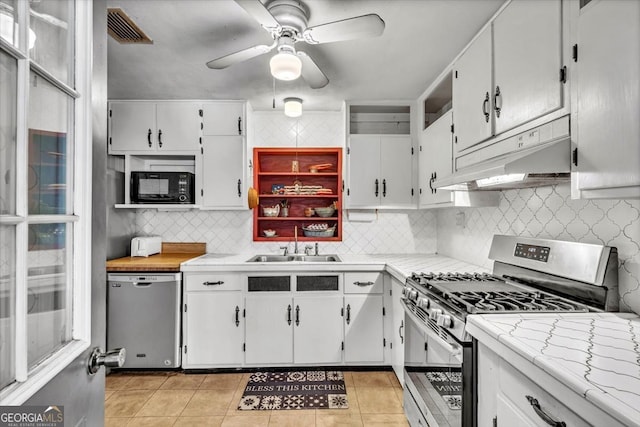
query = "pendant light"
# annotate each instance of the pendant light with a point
(292, 107)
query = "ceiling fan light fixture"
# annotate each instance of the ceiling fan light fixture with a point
(292, 107)
(285, 66)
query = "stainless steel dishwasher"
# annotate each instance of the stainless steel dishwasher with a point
(143, 316)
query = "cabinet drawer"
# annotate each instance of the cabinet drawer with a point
(212, 282)
(363, 282)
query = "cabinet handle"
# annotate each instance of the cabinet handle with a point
(363, 283)
(237, 316)
(377, 187)
(384, 188)
(400, 331)
(545, 417)
(485, 107)
(297, 315)
(289, 314)
(239, 188)
(433, 178)
(218, 283)
(495, 101)
(348, 313)
(149, 138)
(160, 137)
(240, 125)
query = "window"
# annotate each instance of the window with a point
(44, 152)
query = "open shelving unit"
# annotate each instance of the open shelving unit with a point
(273, 168)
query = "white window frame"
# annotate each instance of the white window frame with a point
(29, 382)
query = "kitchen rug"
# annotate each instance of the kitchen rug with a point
(294, 390)
(448, 384)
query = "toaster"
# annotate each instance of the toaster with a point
(146, 245)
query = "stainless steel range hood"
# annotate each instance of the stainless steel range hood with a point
(537, 157)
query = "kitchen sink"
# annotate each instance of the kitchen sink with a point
(294, 258)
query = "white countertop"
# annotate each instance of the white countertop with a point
(398, 265)
(595, 354)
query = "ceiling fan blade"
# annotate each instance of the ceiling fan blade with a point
(260, 13)
(311, 73)
(347, 29)
(234, 58)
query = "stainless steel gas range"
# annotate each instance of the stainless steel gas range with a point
(528, 275)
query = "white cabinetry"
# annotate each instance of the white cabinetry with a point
(212, 321)
(223, 118)
(380, 171)
(269, 333)
(606, 100)
(363, 317)
(435, 160)
(521, 49)
(394, 325)
(144, 127)
(223, 183)
(317, 331)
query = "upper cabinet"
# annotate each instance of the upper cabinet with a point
(145, 127)
(511, 74)
(223, 118)
(606, 101)
(380, 158)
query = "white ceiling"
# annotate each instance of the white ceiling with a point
(421, 38)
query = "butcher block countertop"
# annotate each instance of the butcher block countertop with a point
(172, 255)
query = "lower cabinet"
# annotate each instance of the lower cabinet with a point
(317, 329)
(395, 325)
(269, 329)
(213, 329)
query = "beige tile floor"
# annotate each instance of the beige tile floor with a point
(161, 399)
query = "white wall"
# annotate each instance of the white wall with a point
(549, 212)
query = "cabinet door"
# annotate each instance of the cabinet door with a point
(608, 103)
(132, 126)
(472, 89)
(213, 329)
(527, 60)
(396, 174)
(178, 126)
(269, 333)
(365, 186)
(397, 336)
(223, 118)
(363, 329)
(317, 329)
(435, 160)
(222, 172)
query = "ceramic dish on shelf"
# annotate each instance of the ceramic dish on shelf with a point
(318, 231)
(269, 233)
(325, 212)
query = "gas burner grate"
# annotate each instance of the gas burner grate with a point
(491, 301)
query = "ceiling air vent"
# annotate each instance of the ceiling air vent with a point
(122, 28)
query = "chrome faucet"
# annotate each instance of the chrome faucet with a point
(307, 249)
(295, 236)
(317, 253)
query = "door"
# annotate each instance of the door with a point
(435, 161)
(81, 394)
(364, 171)
(213, 330)
(269, 329)
(472, 90)
(527, 60)
(363, 329)
(178, 126)
(223, 118)
(396, 171)
(222, 172)
(317, 330)
(132, 126)
(397, 337)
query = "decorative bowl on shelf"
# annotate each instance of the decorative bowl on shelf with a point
(319, 230)
(325, 212)
(271, 210)
(269, 233)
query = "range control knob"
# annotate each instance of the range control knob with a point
(413, 295)
(434, 313)
(445, 321)
(423, 302)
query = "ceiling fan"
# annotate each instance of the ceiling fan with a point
(286, 21)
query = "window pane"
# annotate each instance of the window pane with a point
(8, 89)
(7, 303)
(50, 156)
(9, 21)
(52, 22)
(48, 291)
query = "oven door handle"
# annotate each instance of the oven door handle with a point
(451, 349)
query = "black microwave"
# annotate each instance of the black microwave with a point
(162, 187)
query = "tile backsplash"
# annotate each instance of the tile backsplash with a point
(548, 212)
